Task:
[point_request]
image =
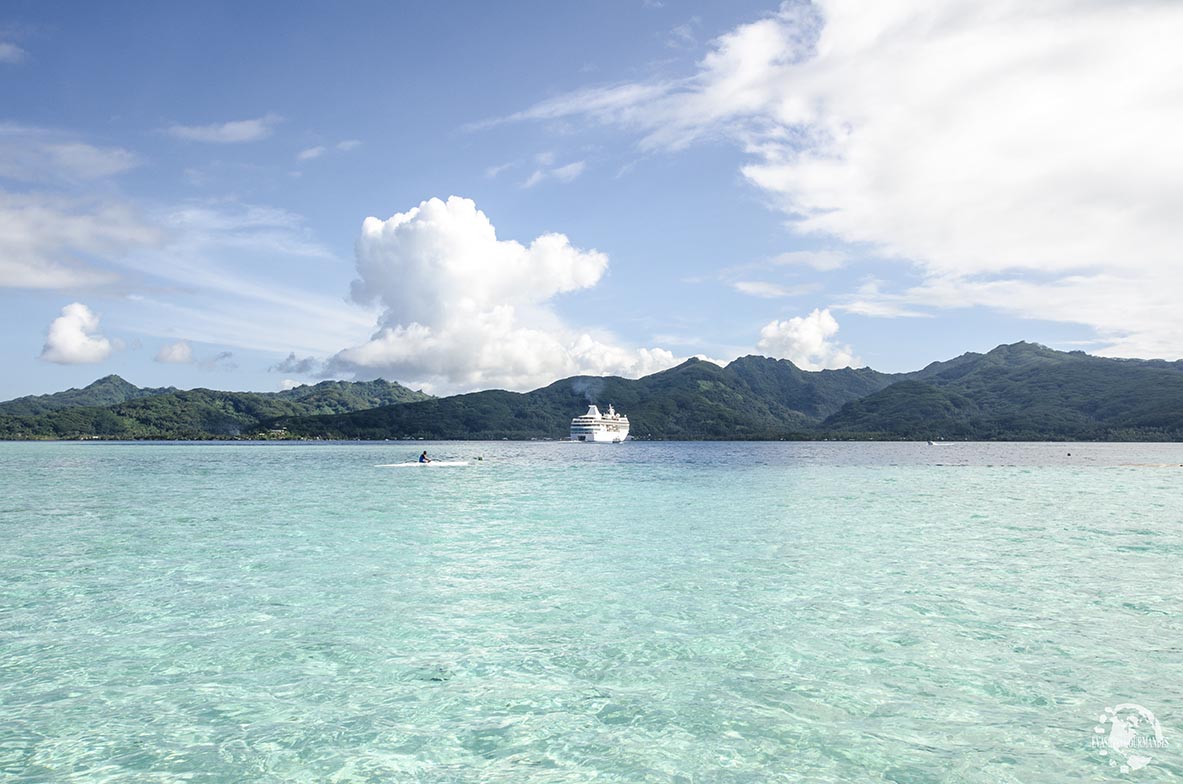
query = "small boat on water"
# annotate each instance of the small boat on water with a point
(609, 428)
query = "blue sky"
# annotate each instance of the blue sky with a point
(578, 188)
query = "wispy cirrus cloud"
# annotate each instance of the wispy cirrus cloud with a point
(53, 236)
(318, 151)
(225, 282)
(56, 242)
(868, 125)
(217, 271)
(231, 132)
(869, 299)
(11, 53)
(685, 35)
(51, 156)
(491, 172)
(565, 173)
(617, 103)
(770, 290)
(820, 260)
(752, 278)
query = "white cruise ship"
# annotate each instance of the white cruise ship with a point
(594, 426)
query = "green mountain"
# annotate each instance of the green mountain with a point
(1022, 391)
(1025, 391)
(198, 413)
(336, 397)
(107, 391)
(752, 398)
(814, 394)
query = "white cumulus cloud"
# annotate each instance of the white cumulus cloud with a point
(73, 338)
(807, 341)
(463, 309)
(1023, 156)
(179, 353)
(232, 132)
(310, 153)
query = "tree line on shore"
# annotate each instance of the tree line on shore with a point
(1022, 391)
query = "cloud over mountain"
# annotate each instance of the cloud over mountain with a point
(73, 338)
(807, 341)
(463, 309)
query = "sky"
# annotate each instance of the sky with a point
(471, 195)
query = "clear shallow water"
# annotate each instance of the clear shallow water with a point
(563, 613)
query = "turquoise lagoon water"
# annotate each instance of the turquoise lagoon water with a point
(644, 612)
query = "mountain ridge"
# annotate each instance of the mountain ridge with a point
(106, 391)
(1026, 391)
(751, 398)
(1012, 392)
(170, 413)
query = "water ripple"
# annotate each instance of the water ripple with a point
(558, 613)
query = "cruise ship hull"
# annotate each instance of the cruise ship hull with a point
(600, 436)
(596, 428)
